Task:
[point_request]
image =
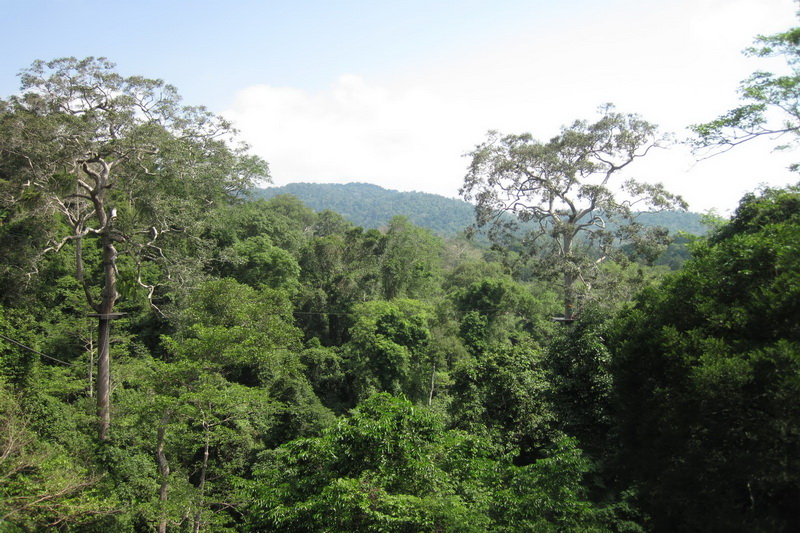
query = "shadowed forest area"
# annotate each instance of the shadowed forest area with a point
(177, 354)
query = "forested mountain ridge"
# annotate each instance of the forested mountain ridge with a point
(372, 206)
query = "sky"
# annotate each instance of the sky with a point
(397, 92)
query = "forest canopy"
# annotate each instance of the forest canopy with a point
(179, 355)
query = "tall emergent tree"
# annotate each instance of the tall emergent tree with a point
(124, 166)
(766, 96)
(565, 190)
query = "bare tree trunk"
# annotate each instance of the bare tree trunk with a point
(163, 470)
(569, 300)
(569, 278)
(90, 347)
(202, 484)
(109, 298)
(433, 378)
(103, 378)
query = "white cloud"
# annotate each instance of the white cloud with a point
(405, 139)
(675, 65)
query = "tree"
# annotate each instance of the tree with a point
(42, 486)
(389, 348)
(122, 164)
(503, 393)
(411, 260)
(338, 271)
(393, 466)
(205, 430)
(564, 187)
(257, 262)
(577, 368)
(496, 309)
(763, 94)
(704, 369)
(390, 466)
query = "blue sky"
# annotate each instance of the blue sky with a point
(395, 93)
(211, 49)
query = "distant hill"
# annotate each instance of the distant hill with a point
(676, 221)
(371, 206)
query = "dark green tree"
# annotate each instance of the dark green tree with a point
(704, 368)
(502, 394)
(578, 369)
(389, 467)
(496, 309)
(389, 348)
(259, 218)
(42, 485)
(257, 262)
(392, 466)
(338, 271)
(411, 261)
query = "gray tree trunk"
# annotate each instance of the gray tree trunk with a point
(163, 470)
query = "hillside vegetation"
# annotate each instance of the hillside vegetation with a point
(371, 206)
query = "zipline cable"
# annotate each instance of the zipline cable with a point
(34, 351)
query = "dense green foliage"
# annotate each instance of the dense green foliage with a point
(277, 368)
(372, 207)
(393, 467)
(706, 366)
